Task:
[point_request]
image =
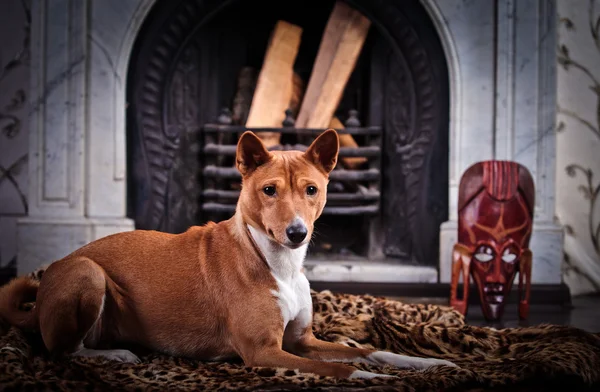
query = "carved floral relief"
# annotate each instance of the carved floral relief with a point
(14, 80)
(578, 142)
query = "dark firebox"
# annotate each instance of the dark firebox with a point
(183, 77)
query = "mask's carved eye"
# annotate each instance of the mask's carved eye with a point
(269, 190)
(484, 254)
(508, 256)
(311, 190)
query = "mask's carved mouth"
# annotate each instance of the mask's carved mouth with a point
(494, 293)
(495, 299)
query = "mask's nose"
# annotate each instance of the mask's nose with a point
(296, 232)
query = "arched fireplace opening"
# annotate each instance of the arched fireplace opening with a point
(185, 68)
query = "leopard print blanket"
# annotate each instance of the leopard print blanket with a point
(545, 357)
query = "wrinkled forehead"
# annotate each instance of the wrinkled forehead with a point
(289, 166)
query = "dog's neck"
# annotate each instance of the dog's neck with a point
(284, 262)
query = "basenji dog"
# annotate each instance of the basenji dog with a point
(223, 290)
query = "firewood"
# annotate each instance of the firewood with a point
(347, 141)
(245, 91)
(340, 47)
(243, 96)
(274, 86)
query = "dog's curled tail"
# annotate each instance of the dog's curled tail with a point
(14, 294)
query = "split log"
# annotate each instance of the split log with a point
(274, 86)
(243, 100)
(245, 91)
(340, 48)
(347, 141)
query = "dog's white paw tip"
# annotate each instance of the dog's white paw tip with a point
(425, 364)
(442, 362)
(405, 362)
(368, 375)
(124, 356)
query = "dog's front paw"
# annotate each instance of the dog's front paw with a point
(429, 362)
(369, 375)
(405, 362)
(124, 356)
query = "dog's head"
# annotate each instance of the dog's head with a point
(284, 192)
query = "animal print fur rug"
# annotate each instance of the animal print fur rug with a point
(522, 359)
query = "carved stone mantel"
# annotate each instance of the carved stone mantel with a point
(502, 80)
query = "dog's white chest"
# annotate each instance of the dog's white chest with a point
(293, 289)
(293, 298)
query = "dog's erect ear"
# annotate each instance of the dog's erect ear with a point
(323, 152)
(251, 153)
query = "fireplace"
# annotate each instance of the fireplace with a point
(183, 78)
(460, 82)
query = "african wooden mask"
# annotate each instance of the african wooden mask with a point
(495, 217)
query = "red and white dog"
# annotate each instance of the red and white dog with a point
(229, 289)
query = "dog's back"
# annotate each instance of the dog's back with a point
(156, 281)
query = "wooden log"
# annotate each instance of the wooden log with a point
(245, 91)
(340, 47)
(347, 141)
(243, 97)
(274, 86)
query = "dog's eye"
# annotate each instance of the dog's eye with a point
(311, 190)
(269, 190)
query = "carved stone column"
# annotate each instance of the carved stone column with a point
(77, 187)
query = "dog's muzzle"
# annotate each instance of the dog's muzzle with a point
(296, 232)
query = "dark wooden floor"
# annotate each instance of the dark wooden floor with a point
(584, 313)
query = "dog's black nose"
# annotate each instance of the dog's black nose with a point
(296, 232)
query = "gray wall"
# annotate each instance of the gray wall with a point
(14, 84)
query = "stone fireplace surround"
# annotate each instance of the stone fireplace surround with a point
(501, 60)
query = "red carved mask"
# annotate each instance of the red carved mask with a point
(495, 219)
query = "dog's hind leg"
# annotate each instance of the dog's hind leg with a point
(70, 304)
